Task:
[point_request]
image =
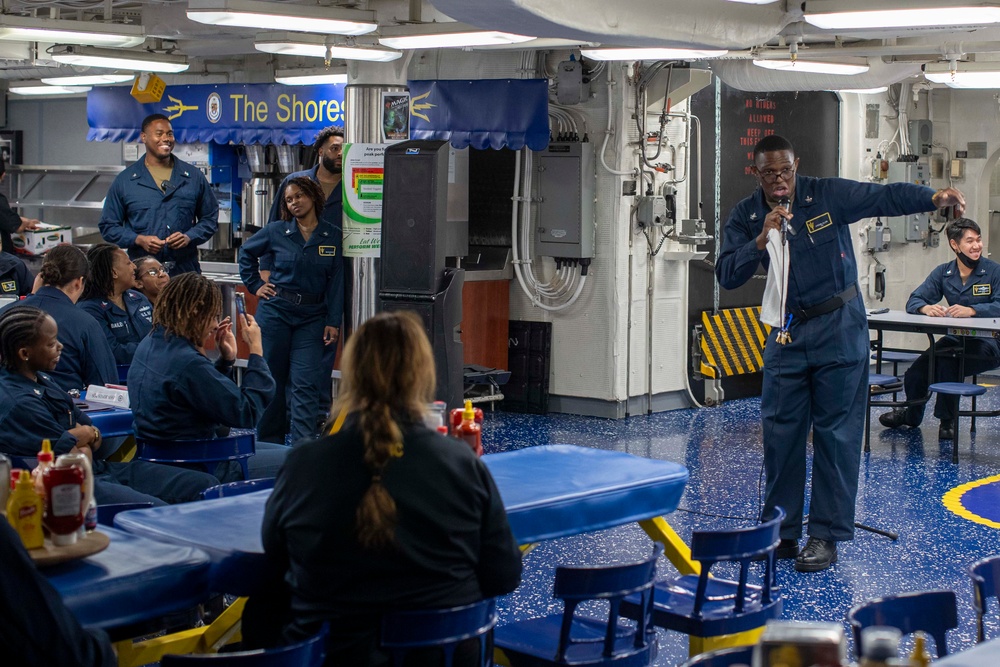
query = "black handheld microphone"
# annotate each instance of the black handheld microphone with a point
(784, 203)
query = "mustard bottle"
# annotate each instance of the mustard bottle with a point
(24, 512)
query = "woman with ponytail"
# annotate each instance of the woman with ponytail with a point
(385, 514)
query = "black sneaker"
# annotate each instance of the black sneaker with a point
(894, 418)
(816, 555)
(946, 431)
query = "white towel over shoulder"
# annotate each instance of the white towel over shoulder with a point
(776, 288)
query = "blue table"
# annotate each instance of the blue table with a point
(986, 654)
(135, 579)
(112, 422)
(549, 491)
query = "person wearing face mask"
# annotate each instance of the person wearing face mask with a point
(970, 285)
(816, 363)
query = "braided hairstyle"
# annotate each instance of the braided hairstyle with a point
(19, 327)
(186, 305)
(64, 264)
(312, 190)
(388, 374)
(102, 265)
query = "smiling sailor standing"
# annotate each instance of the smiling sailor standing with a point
(819, 377)
(160, 205)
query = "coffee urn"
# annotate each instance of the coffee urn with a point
(258, 191)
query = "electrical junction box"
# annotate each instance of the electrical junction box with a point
(566, 182)
(572, 83)
(909, 228)
(651, 210)
(879, 237)
(921, 134)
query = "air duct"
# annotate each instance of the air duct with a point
(744, 75)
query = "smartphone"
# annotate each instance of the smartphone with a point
(241, 303)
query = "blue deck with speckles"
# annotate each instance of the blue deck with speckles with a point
(902, 483)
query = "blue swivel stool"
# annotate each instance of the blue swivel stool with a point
(958, 389)
(204, 453)
(985, 576)
(705, 607)
(443, 629)
(309, 653)
(570, 638)
(933, 612)
(724, 657)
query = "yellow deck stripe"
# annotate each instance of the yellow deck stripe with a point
(953, 501)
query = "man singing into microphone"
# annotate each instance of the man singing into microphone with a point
(818, 377)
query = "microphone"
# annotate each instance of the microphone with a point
(784, 203)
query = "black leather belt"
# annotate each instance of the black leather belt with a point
(828, 306)
(296, 298)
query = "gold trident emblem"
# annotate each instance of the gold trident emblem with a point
(414, 107)
(177, 108)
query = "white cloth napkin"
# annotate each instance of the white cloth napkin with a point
(772, 309)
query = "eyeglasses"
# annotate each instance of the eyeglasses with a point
(155, 272)
(772, 176)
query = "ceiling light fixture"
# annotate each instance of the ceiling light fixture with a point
(282, 16)
(87, 79)
(840, 15)
(650, 53)
(39, 88)
(60, 31)
(444, 35)
(308, 76)
(964, 75)
(755, 2)
(320, 46)
(861, 91)
(141, 61)
(843, 66)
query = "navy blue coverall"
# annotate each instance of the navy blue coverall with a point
(309, 272)
(820, 378)
(36, 628)
(123, 328)
(982, 293)
(333, 212)
(135, 205)
(86, 357)
(177, 393)
(32, 411)
(15, 278)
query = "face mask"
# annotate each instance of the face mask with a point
(964, 259)
(330, 164)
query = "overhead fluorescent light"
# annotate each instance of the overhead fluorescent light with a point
(61, 31)
(308, 76)
(444, 35)
(755, 2)
(964, 75)
(838, 15)
(141, 61)
(282, 16)
(650, 53)
(844, 66)
(861, 91)
(39, 88)
(87, 79)
(320, 46)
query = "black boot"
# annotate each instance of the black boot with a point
(817, 555)
(894, 418)
(787, 549)
(946, 431)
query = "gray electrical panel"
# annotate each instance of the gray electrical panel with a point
(566, 182)
(909, 228)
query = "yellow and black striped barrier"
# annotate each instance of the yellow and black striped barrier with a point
(732, 342)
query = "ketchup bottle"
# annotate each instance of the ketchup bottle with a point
(469, 430)
(64, 503)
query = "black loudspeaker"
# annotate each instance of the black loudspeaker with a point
(414, 217)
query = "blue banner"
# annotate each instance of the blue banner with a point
(486, 113)
(238, 113)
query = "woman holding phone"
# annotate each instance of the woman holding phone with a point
(300, 306)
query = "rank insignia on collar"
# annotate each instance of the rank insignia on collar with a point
(38, 392)
(808, 199)
(753, 216)
(185, 173)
